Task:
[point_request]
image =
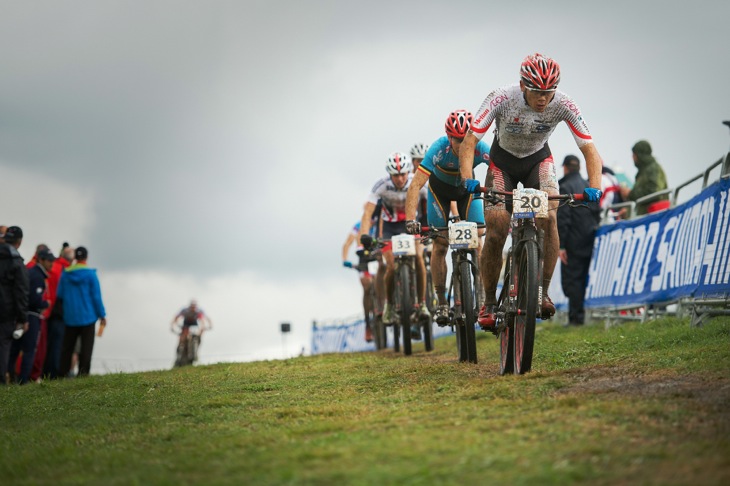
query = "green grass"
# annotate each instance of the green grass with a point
(634, 404)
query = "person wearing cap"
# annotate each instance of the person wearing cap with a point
(13, 295)
(576, 231)
(80, 292)
(37, 303)
(650, 178)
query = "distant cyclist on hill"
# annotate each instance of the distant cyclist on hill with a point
(526, 114)
(188, 317)
(391, 191)
(440, 169)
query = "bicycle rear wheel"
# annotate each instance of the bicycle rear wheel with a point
(405, 307)
(526, 284)
(506, 337)
(469, 309)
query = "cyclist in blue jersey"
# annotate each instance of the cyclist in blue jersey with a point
(440, 169)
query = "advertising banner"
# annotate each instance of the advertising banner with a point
(662, 257)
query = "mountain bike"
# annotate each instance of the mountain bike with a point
(187, 349)
(405, 292)
(464, 285)
(522, 292)
(373, 307)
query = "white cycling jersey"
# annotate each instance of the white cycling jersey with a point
(393, 199)
(522, 131)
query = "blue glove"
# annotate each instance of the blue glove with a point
(592, 195)
(347, 264)
(471, 185)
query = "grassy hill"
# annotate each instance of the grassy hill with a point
(634, 404)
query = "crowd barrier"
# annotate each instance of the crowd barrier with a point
(348, 336)
(677, 256)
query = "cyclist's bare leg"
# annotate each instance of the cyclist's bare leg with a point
(420, 273)
(380, 286)
(438, 268)
(389, 274)
(490, 261)
(366, 280)
(551, 244)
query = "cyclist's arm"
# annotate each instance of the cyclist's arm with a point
(367, 217)
(414, 194)
(346, 247)
(466, 155)
(594, 164)
(173, 324)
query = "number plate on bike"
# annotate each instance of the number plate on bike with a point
(404, 245)
(463, 235)
(529, 203)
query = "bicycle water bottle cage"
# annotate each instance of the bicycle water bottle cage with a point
(463, 234)
(404, 245)
(529, 203)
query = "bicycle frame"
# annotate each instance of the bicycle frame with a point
(466, 289)
(522, 292)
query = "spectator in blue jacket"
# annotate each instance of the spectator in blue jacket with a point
(80, 292)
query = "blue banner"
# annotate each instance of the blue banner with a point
(350, 337)
(662, 257)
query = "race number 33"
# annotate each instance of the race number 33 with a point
(529, 203)
(463, 235)
(404, 245)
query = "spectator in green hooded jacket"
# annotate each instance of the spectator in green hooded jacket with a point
(650, 178)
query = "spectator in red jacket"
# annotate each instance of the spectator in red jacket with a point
(56, 324)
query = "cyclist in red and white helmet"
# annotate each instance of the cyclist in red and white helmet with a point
(526, 114)
(391, 192)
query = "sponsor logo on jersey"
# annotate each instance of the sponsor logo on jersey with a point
(481, 117)
(497, 100)
(542, 128)
(514, 128)
(570, 104)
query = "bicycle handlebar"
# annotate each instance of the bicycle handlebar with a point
(497, 197)
(553, 197)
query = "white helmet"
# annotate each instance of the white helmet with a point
(418, 151)
(398, 163)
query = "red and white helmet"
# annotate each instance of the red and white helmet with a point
(398, 163)
(458, 123)
(540, 72)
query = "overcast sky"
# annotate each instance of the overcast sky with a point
(222, 150)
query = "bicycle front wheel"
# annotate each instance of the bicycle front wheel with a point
(405, 308)
(469, 309)
(507, 336)
(527, 286)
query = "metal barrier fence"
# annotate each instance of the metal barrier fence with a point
(698, 259)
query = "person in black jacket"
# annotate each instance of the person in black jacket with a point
(37, 303)
(13, 294)
(577, 230)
